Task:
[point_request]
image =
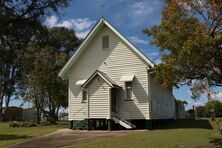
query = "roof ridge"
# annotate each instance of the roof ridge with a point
(92, 32)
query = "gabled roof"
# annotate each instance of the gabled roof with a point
(90, 36)
(104, 76)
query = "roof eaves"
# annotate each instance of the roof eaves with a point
(103, 76)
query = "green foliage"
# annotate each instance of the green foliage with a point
(190, 114)
(201, 111)
(19, 124)
(216, 105)
(20, 25)
(43, 63)
(190, 32)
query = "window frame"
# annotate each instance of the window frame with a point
(103, 42)
(84, 100)
(126, 90)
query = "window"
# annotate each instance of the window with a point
(84, 95)
(105, 42)
(129, 92)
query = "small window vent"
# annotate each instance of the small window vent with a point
(105, 42)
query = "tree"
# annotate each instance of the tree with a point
(214, 108)
(43, 87)
(201, 112)
(200, 87)
(190, 32)
(214, 105)
(62, 43)
(21, 23)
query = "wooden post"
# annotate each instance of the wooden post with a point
(109, 124)
(149, 124)
(71, 124)
(88, 124)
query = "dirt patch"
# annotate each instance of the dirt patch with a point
(65, 137)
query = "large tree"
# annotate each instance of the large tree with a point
(190, 33)
(20, 24)
(41, 84)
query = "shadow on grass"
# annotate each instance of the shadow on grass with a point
(186, 123)
(216, 141)
(13, 137)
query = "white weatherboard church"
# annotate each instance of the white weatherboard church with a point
(111, 84)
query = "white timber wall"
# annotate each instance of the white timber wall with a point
(98, 98)
(180, 111)
(162, 101)
(116, 61)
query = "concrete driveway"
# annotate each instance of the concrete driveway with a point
(65, 137)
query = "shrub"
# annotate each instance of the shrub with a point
(45, 124)
(14, 124)
(21, 124)
(214, 105)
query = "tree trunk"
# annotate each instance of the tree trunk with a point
(219, 126)
(38, 118)
(1, 116)
(1, 107)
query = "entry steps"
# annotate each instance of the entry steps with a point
(124, 123)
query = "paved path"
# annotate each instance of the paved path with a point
(66, 137)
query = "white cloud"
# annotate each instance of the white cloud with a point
(51, 21)
(139, 9)
(66, 23)
(138, 12)
(191, 102)
(78, 24)
(82, 34)
(217, 96)
(137, 40)
(82, 26)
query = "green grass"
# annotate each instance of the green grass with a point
(181, 134)
(10, 136)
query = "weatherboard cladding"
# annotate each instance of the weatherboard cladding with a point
(101, 23)
(116, 61)
(163, 101)
(98, 94)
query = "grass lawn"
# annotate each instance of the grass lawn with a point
(180, 134)
(10, 136)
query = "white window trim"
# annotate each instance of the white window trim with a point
(85, 101)
(129, 99)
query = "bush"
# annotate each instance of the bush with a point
(214, 105)
(14, 124)
(45, 124)
(21, 124)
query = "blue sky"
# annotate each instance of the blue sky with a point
(130, 17)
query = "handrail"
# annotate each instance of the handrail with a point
(79, 110)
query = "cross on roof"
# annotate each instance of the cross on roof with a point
(101, 5)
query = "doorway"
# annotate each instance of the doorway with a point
(114, 99)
